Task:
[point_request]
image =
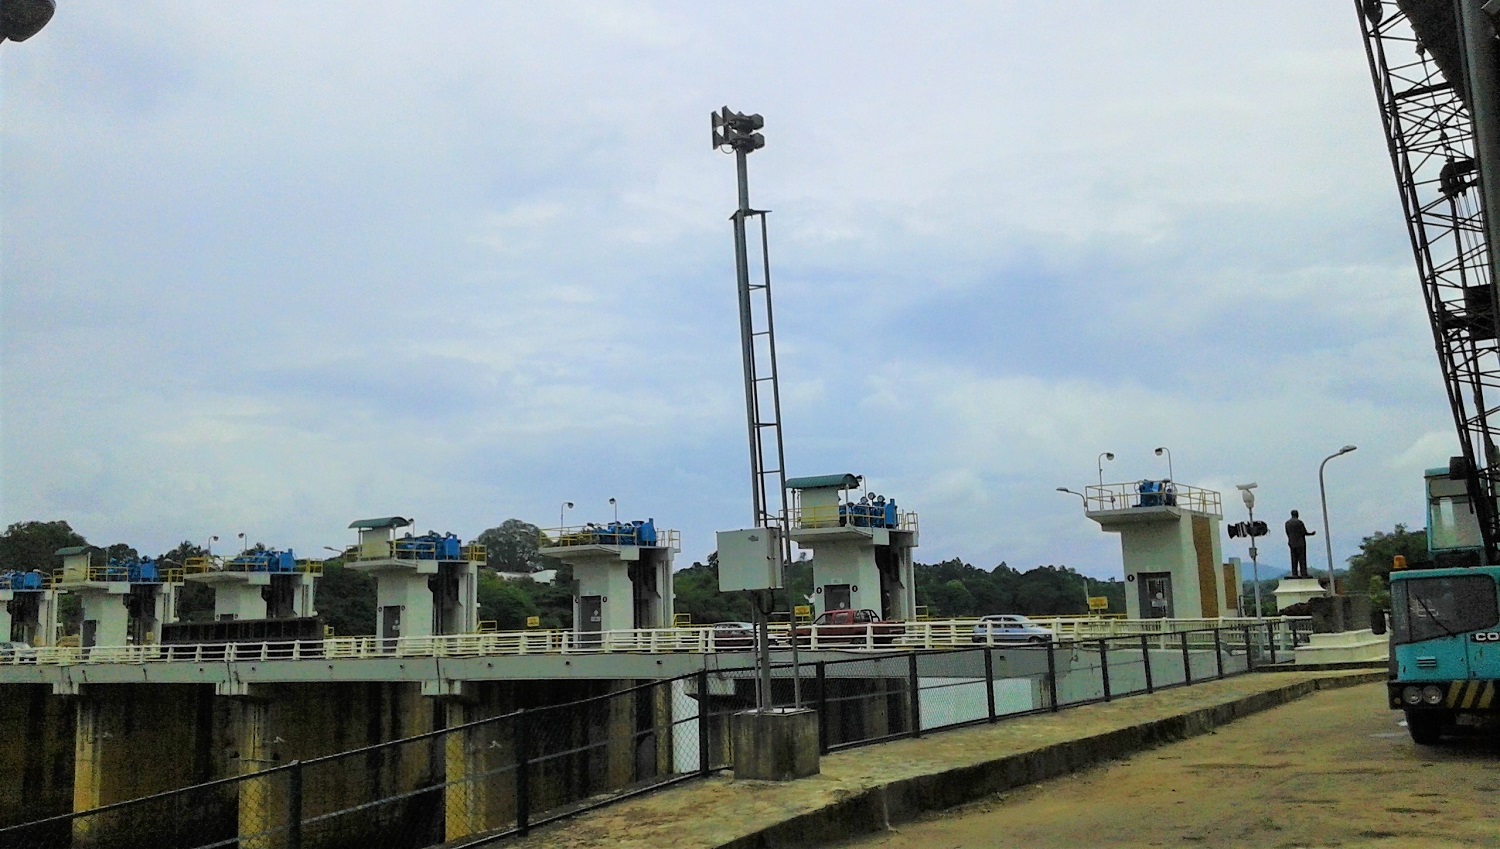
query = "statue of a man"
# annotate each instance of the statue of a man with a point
(1296, 539)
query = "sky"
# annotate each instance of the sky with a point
(270, 268)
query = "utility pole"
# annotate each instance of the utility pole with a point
(737, 132)
(1248, 495)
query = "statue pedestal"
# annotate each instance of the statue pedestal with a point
(1292, 591)
(1346, 647)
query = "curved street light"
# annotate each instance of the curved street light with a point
(1079, 494)
(1159, 451)
(615, 504)
(1104, 455)
(562, 511)
(1323, 494)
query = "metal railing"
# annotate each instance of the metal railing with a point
(1127, 496)
(508, 773)
(1287, 632)
(620, 534)
(411, 549)
(853, 516)
(203, 565)
(117, 574)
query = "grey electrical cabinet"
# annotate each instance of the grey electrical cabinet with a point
(750, 559)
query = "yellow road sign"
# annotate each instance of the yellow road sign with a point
(1098, 602)
(533, 621)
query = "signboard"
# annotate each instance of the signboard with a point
(533, 621)
(1098, 602)
(802, 611)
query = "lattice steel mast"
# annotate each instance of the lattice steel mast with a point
(737, 132)
(1426, 106)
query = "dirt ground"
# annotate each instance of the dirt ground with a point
(1334, 769)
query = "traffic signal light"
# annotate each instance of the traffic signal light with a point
(21, 19)
(1248, 529)
(737, 130)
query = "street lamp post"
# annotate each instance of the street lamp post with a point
(1327, 541)
(1081, 496)
(1105, 455)
(1168, 452)
(243, 543)
(561, 513)
(616, 505)
(1247, 494)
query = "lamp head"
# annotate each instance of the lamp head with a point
(1159, 450)
(1246, 493)
(611, 501)
(1347, 448)
(568, 504)
(1063, 489)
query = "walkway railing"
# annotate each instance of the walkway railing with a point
(1125, 496)
(1287, 632)
(508, 773)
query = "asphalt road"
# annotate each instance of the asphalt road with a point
(1333, 769)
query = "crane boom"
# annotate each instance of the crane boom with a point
(1430, 86)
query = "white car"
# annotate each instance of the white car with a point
(1010, 628)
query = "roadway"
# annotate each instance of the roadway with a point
(1333, 769)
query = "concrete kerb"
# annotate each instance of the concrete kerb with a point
(878, 808)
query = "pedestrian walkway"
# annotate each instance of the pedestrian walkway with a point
(861, 791)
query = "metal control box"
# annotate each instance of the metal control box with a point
(750, 559)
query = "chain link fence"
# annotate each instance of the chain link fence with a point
(499, 775)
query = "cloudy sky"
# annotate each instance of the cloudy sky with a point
(272, 267)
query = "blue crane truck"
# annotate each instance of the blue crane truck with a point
(1445, 621)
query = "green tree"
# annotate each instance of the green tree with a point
(1378, 550)
(346, 599)
(33, 545)
(504, 602)
(195, 601)
(512, 546)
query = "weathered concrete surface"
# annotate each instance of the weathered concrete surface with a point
(1335, 769)
(776, 745)
(864, 790)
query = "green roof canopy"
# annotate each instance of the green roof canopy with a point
(72, 550)
(824, 482)
(375, 524)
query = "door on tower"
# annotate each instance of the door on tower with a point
(1156, 594)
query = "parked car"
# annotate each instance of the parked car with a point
(732, 635)
(850, 626)
(17, 653)
(1010, 628)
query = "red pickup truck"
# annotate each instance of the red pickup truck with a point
(849, 626)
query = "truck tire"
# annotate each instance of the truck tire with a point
(1426, 726)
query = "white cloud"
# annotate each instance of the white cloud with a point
(273, 267)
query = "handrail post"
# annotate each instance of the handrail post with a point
(822, 707)
(703, 764)
(1146, 662)
(1104, 667)
(523, 782)
(1271, 642)
(294, 806)
(1052, 673)
(1187, 661)
(1249, 652)
(916, 695)
(1218, 653)
(989, 681)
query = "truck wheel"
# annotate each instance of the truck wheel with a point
(1426, 726)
